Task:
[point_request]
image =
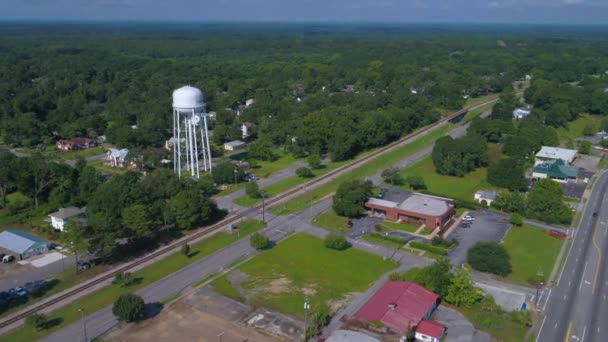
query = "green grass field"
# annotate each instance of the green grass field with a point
(366, 170)
(575, 128)
(500, 325)
(302, 266)
(81, 153)
(101, 166)
(453, 187)
(332, 221)
(266, 168)
(107, 295)
(603, 163)
(531, 249)
(399, 226)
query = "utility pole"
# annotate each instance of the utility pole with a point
(235, 173)
(263, 207)
(84, 325)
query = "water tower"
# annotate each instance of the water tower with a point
(190, 133)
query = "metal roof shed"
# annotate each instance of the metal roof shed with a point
(21, 244)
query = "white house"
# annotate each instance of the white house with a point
(116, 157)
(63, 215)
(548, 153)
(520, 113)
(485, 195)
(234, 145)
(246, 129)
(249, 103)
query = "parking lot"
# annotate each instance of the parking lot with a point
(488, 226)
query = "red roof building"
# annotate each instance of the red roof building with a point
(429, 331)
(399, 304)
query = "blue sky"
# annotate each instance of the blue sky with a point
(408, 11)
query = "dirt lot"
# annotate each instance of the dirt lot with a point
(183, 322)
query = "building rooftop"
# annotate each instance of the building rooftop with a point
(66, 213)
(18, 241)
(426, 205)
(557, 169)
(398, 304)
(384, 203)
(430, 328)
(486, 194)
(547, 152)
(235, 143)
(350, 336)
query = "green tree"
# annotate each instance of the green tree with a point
(351, 196)
(129, 308)
(462, 290)
(545, 203)
(516, 219)
(185, 249)
(259, 241)
(7, 174)
(314, 161)
(508, 173)
(139, 221)
(253, 190)
(392, 176)
(88, 181)
(336, 241)
(585, 147)
(590, 129)
(226, 173)
(415, 182)
(37, 321)
(489, 257)
(511, 202)
(190, 208)
(43, 170)
(457, 157)
(74, 238)
(123, 279)
(304, 172)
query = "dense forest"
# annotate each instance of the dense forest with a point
(88, 80)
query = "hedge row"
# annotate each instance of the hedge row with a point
(429, 248)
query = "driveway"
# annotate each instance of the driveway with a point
(488, 226)
(459, 328)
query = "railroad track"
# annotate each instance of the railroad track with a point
(234, 218)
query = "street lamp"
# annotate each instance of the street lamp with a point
(306, 308)
(84, 325)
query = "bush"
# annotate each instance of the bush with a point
(416, 182)
(304, 172)
(441, 242)
(516, 219)
(585, 147)
(259, 241)
(392, 176)
(123, 279)
(128, 307)
(388, 238)
(37, 321)
(318, 319)
(429, 248)
(489, 257)
(253, 190)
(314, 161)
(336, 241)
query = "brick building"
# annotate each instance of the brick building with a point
(417, 209)
(76, 144)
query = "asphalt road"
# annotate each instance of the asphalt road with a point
(577, 309)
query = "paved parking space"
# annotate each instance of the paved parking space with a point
(459, 328)
(488, 226)
(574, 190)
(363, 225)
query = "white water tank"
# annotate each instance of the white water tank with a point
(188, 97)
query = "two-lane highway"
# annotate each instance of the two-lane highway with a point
(576, 309)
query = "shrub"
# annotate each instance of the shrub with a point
(259, 241)
(253, 190)
(392, 176)
(516, 219)
(128, 307)
(441, 242)
(37, 321)
(336, 241)
(318, 319)
(429, 248)
(489, 257)
(304, 172)
(314, 161)
(585, 147)
(123, 279)
(416, 182)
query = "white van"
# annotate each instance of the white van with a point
(8, 258)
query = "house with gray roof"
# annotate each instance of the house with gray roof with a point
(22, 245)
(63, 215)
(485, 195)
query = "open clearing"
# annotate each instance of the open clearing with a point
(280, 278)
(328, 219)
(531, 250)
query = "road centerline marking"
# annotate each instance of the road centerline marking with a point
(567, 338)
(599, 259)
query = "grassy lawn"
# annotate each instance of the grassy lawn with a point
(399, 226)
(575, 128)
(222, 286)
(302, 266)
(82, 153)
(603, 163)
(531, 250)
(382, 242)
(230, 188)
(107, 295)
(454, 187)
(504, 326)
(332, 221)
(103, 168)
(286, 184)
(266, 168)
(366, 170)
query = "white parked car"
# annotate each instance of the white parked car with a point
(468, 218)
